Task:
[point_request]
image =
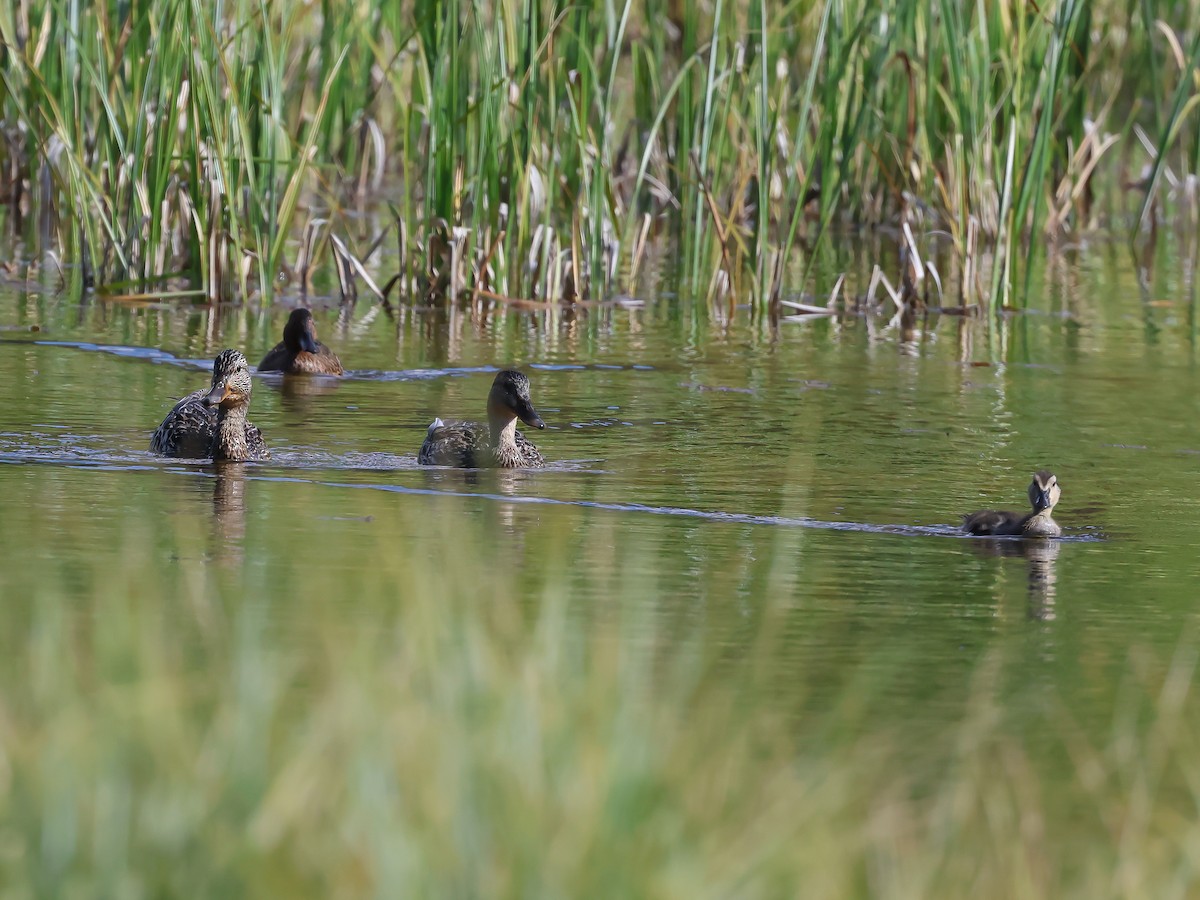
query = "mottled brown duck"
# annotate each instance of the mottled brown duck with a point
(300, 353)
(498, 443)
(1043, 495)
(211, 424)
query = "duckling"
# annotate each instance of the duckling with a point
(1043, 495)
(212, 424)
(471, 445)
(300, 353)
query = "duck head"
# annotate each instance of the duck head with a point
(509, 398)
(231, 383)
(1044, 491)
(300, 332)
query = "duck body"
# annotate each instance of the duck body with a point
(1044, 493)
(498, 443)
(300, 353)
(467, 445)
(190, 430)
(212, 424)
(1002, 522)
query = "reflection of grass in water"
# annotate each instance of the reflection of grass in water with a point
(423, 729)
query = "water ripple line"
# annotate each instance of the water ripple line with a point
(155, 355)
(204, 468)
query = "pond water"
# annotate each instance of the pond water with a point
(745, 533)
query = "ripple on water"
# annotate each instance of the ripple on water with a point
(152, 354)
(72, 450)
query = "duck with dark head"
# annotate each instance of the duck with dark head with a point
(300, 353)
(211, 424)
(499, 443)
(1043, 495)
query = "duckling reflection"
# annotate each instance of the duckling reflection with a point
(1042, 577)
(297, 393)
(1044, 494)
(910, 335)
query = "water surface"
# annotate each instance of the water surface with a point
(770, 511)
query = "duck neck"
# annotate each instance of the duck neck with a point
(230, 440)
(1040, 524)
(504, 433)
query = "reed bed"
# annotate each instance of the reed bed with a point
(530, 150)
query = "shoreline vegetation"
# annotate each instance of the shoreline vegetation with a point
(539, 151)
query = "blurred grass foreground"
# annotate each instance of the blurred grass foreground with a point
(451, 717)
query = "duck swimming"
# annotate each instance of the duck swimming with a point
(300, 353)
(1043, 495)
(211, 424)
(472, 445)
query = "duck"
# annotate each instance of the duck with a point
(211, 424)
(473, 445)
(1044, 493)
(300, 353)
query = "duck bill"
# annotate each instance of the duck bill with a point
(308, 343)
(527, 414)
(1042, 500)
(219, 394)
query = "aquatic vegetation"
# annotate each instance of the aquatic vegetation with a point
(541, 151)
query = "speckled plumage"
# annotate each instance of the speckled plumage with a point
(467, 445)
(499, 443)
(1044, 493)
(211, 424)
(300, 353)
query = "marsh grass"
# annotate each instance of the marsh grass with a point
(533, 150)
(418, 726)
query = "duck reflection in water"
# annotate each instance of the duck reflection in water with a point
(505, 482)
(229, 513)
(1042, 577)
(297, 392)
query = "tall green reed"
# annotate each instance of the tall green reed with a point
(531, 148)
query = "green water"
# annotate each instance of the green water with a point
(727, 644)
